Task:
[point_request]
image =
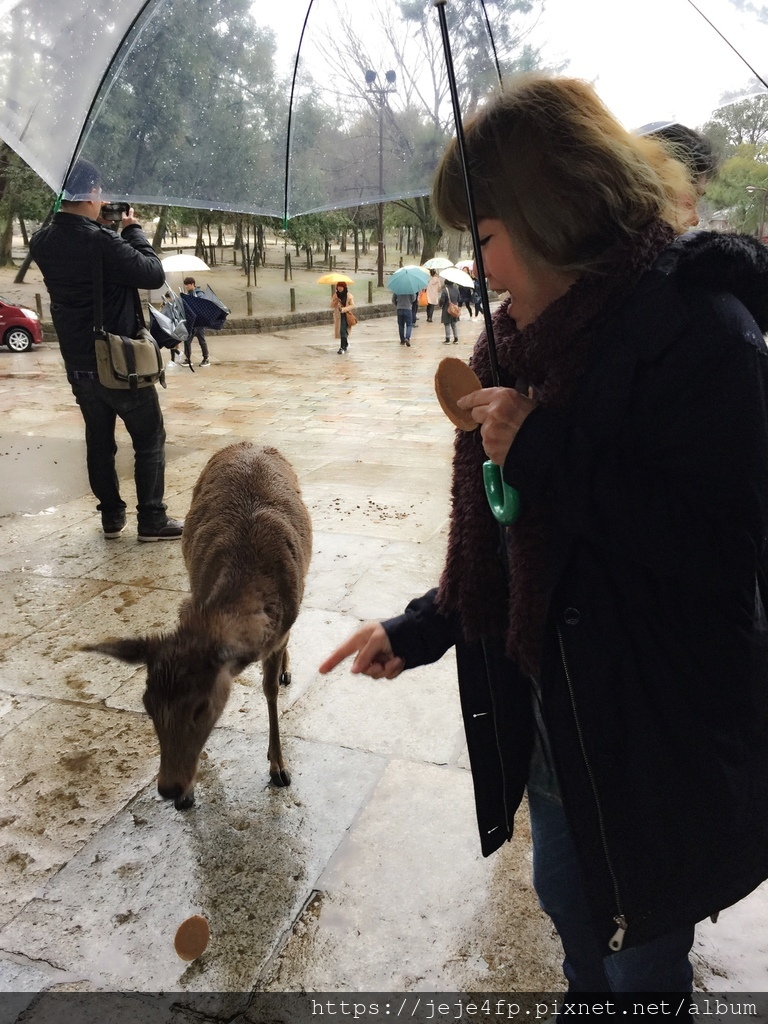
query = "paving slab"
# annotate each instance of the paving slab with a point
(247, 857)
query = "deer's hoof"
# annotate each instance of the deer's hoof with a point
(185, 802)
(285, 678)
(280, 778)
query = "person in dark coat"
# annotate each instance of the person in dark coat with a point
(612, 644)
(198, 330)
(449, 294)
(65, 251)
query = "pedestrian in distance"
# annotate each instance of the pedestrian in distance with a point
(197, 330)
(175, 350)
(65, 251)
(449, 296)
(342, 303)
(694, 151)
(477, 298)
(466, 298)
(434, 287)
(404, 304)
(612, 642)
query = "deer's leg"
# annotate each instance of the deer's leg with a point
(285, 668)
(271, 669)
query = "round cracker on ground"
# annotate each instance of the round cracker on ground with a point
(453, 380)
(192, 937)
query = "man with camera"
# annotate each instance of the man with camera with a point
(66, 250)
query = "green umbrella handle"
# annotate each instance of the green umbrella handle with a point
(503, 499)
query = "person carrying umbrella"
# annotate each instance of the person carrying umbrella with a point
(612, 644)
(434, 287)
(342, 303)
(404, 301)
(449, 297)
(197, 330)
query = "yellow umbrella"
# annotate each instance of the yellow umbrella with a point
(334, 278)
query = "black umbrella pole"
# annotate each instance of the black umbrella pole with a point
(440, 5)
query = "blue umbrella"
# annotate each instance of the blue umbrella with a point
(408, 280)
(205, 310)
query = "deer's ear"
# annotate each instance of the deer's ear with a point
(131, 649)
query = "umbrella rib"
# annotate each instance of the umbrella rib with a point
(741, 56)
(290, 116)
(113, 60)
(492, 41)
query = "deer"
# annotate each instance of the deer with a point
(246, 545)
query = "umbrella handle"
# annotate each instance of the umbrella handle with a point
(503, 499)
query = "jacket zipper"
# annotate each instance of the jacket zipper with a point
(617, 939)
(498, 744)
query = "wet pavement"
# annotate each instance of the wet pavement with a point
(365, 874)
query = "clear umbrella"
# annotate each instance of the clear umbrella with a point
(312, 105)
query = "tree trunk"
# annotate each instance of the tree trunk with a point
(23, 230)
(432, 235)
(162, 223)
(454, 245)
(6, 239)
(22, 271)
(199, 243)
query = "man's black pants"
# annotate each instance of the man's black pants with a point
(140, 412)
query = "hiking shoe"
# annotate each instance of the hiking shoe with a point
(113, 525)
(171, 529)
(206, 362)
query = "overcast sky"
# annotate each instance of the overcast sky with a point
(650, 59)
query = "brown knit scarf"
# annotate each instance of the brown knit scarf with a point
(550, 355)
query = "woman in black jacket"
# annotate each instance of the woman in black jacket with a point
(614, 659)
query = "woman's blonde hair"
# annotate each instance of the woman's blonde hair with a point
(570, 184)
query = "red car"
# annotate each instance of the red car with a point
(19, 327)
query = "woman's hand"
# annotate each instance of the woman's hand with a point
(375, 657)
(500, 412)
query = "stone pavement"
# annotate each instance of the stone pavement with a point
(365, 874)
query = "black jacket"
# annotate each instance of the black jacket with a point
(63, 251)
(654, 672)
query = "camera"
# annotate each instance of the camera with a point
(114, 211)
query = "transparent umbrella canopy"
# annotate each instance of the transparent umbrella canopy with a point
(314, 105)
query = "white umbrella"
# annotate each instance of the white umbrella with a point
(437, 263)
(465, 264)
(183, 262)
(457, 276)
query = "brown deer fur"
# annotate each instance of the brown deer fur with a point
(246, 544)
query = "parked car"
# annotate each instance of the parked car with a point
(19, 326)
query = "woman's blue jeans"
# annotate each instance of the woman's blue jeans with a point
(405, 324)
(660, 965)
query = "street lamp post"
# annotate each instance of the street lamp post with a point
(759, 188)
(381, 92)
